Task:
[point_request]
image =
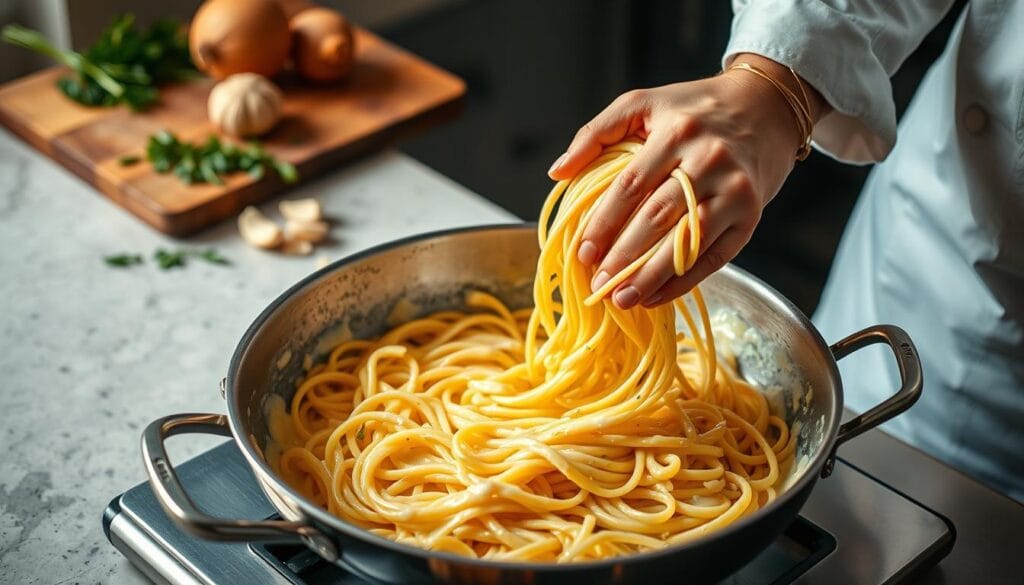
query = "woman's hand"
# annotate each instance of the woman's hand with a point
(734, 136)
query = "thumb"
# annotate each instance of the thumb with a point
(622, 118)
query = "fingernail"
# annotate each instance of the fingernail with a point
(587, 253)
(599, 279)
(627, 297)
(653, 300)
(557, 163)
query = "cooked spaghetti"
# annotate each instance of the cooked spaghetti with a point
(568, 432)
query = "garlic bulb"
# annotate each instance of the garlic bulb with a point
(244, 105)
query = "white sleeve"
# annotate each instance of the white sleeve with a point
(846, 49)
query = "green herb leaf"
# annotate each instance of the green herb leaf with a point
(220, 162)
(255, 150)
(125, 65)
(361, 433)
(129, 160)
(209, 161)
(246, 162)
(287, 171)
(87, 70)
(208, 173)
(212, 256)
(123, 260)
(167, 259)
(165, 138)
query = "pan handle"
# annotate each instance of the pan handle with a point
(180, 508)
(911, 381)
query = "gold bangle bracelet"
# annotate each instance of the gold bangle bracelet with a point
(803, 92)
(800, 108)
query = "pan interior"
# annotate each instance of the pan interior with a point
(777, 348)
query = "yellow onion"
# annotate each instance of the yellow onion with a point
(239, 36)
(323, 46)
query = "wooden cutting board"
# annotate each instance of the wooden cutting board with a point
(389, 94)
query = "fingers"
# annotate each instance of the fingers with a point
(716, 219)
(643, 174)
(647, 279)
(715, 257)
(621, 118)
(657, 215)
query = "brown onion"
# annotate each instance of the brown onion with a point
(239, 36)
(323, 45)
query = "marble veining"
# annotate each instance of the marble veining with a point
(90, 354)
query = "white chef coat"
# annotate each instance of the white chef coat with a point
(936, 241)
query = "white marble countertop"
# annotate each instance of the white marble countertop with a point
(89, 354)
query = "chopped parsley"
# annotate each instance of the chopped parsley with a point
(168, 259)
(210, 161)
(123, 260)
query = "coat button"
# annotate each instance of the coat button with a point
(975, 119)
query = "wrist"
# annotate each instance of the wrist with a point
(816, 104)
(765, 111)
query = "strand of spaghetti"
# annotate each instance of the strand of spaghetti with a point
(688, 229)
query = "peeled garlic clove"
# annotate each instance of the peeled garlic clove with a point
(305, 231)
(297, 247)
(301, 209)
(258, 230)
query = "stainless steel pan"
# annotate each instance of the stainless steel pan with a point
(780, 350)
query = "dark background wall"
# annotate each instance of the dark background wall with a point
(538, 70)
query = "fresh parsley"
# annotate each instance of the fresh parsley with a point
(123, 260)
(213, 257)
(361, 432)
(168, 259)
(124, 66)
(209, 161)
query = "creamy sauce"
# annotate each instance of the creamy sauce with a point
(331, 339)
(279, 426)
(734, 337)
(705, 501)
(282, 362)
(772, 371)
(403, 312)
